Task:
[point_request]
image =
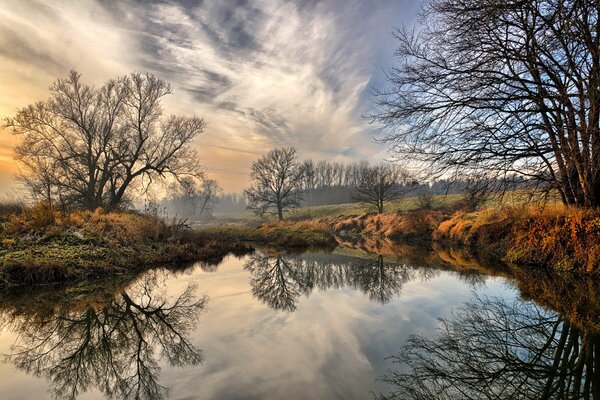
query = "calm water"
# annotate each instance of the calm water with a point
(310, 326)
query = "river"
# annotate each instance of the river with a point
(319, 325)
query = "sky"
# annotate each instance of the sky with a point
(263, 73)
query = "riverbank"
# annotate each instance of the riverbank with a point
(555, 237)
(280, 234)
(39, 245)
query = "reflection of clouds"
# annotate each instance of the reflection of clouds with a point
(332, 346)
(263, 74)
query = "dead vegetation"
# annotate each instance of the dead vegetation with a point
(566, 238)
(399, 226)
(41, 245)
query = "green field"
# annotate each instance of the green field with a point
(405, 204)
(409, 203)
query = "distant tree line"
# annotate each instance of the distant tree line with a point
(280, 182)
(191, 199)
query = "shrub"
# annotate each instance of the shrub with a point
(567, 238)
(425, 200)
(10, 207)
(32, 219)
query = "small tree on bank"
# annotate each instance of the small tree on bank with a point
(86, 147)
(276, 181)
(380, 184)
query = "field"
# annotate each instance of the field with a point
(348, 209)
(353, 209)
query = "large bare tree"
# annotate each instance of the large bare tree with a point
(276, 182)
(87, 146)
(380, 184)
(502, 88)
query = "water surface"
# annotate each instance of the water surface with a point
(271, 326)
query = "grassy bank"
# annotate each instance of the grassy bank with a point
(288, 234)
(565, 238)
(345, 209)
(39, 245)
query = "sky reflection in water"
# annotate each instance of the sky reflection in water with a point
(309, 326)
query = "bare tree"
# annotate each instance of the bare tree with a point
(380, 184)
(209, 195)
(276, 182)
(91, 145)
(503, 88)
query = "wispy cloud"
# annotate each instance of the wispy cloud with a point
(263, 73)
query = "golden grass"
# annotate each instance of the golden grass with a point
(296, 234)
(566, 238)
(396, 226)
(42, 245)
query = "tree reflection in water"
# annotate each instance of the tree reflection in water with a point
(280, 281)
(116, 347)
(492, 349)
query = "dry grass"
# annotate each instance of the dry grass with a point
(42, 245)
(397, 226)
(489, 227)
(565, 238)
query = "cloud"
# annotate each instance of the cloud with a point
(263, 73)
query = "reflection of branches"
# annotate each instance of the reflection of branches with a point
(491, 349)
(113, 348)
(280, 280)
(275, 281)
(380, 281)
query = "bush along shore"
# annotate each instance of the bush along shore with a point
(39, 245)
